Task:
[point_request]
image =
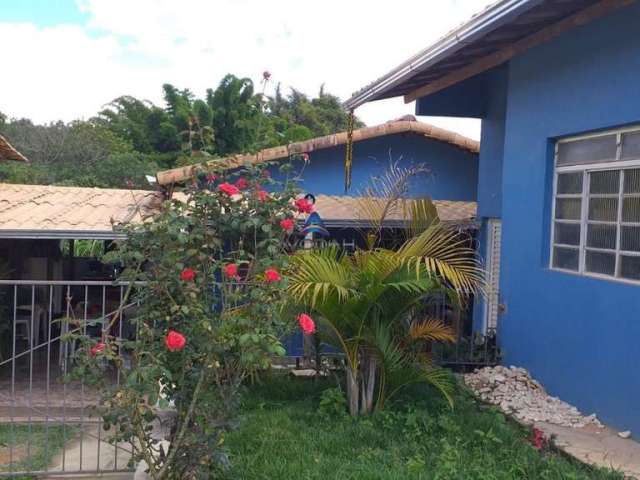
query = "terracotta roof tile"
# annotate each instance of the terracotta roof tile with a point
(39, 208)
(47, 208)
(181, 174)
(345, 208)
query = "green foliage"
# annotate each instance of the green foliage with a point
(333, 403)
(44, 442)
(282, 436)
(79, 153)
(371, 305)
(130, 138)
(232, 326)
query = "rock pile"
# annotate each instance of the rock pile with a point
(517, 394)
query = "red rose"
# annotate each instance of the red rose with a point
(231, 270)
(242, 183)
(188, 275)
(271, 275)
(307, 325)
(303, 205)
(287, 224)
(262, 195)
(174, 341)
(97, 348)
(228, 189)
(538, 439)
(266, 75)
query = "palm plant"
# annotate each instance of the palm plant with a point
(370, 304)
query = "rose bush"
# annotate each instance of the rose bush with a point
(210, 297)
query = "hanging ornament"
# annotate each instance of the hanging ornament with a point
(348, 158)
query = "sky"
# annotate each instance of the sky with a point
(65, 59)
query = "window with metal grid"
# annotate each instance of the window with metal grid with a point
(596, 208)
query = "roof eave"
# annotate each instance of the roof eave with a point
(492, 18)
(62, 234)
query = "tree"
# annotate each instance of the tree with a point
(236, 115)
(370, 305)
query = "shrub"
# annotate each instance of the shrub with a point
(209, 315)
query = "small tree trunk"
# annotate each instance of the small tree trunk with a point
(371, 383)
(353, 392)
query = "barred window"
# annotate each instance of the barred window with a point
(596, 211)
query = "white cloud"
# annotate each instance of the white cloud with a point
(132, 47)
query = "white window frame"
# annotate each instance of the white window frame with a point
(587, 169)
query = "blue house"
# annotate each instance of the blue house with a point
(452, 160)
(556, 86)
(451, 182)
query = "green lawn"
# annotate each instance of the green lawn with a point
(282, 436)
(37, 437)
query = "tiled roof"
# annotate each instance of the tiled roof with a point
(343, 209)
(7, 152)
(41, 208)
(49, 212)
(390, 128)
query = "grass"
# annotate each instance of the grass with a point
(43, 446)
(283, 436)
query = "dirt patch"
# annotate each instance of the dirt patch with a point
(20, 452)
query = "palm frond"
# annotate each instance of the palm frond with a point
(440, 379)
(446, 254)
(384, 198)
(433, 329)
(316, 275)
(420, 214)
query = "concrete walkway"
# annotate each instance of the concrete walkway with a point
(91, 452)
(600, 447)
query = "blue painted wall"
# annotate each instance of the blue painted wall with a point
(579, 335)
(453, 171)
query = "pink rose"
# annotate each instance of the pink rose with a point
(287, 224)
(271, 275)
(228, 189)
(242, 183)
(303, 205)
(231, 270)
(307, 325)
(263, 195)
(174, 341)
(97, 348)
(188, 275)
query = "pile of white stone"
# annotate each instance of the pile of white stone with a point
(519, 395)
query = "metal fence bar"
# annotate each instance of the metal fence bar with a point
(13, 376)
(102, 333)
(64, 373)
(49, 320)
(32, 334)
(84, 332)
(29, 344)
(120, 315)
